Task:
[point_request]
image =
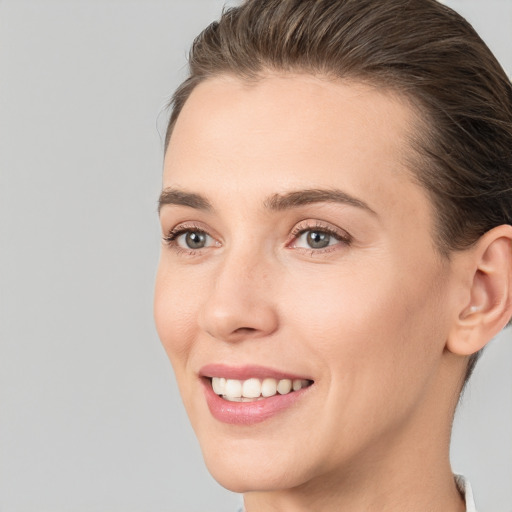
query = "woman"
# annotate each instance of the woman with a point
(336, 215)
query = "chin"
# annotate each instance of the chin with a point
(241, 477)
(244, 466)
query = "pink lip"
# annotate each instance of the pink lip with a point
(247, 413)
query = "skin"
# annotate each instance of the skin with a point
(367, 318)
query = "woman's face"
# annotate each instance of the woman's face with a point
(298, 249)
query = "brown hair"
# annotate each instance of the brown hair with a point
(420, 49)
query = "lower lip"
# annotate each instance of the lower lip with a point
(249, 413)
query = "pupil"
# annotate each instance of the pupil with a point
(195, 240)
(318, 240)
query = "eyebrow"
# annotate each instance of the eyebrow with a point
(276, 202)
(181, 198)
(279, 202)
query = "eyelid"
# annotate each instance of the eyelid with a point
(183, 227)
(315, 225)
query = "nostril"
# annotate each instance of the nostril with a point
(245, 330)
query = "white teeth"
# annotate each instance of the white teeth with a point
(269, 387)
(233, 388)
(251, 388)
(219, 385)
(284, 386)
(255, 389)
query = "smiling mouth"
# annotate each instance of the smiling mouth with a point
(253, 389)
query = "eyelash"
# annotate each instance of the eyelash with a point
(304, 227)
(299, 230)
(176, 232)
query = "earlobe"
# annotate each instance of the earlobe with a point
(488, 304)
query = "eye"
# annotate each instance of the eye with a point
(189, 239)
(318, 237)
(315, 239)
(193, 239)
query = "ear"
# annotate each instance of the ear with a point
(487, 302)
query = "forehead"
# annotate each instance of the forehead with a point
(293, 109)
(290, 132)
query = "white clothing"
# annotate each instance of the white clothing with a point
(466, 490)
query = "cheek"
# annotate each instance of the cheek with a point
(374, 342)
(344, 308)
(372, 328)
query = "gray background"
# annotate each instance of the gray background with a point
(90, 417)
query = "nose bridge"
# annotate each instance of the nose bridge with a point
(244, 265)
(240, 302)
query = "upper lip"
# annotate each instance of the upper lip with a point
(246, 372)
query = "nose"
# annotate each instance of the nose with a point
(240, 304)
